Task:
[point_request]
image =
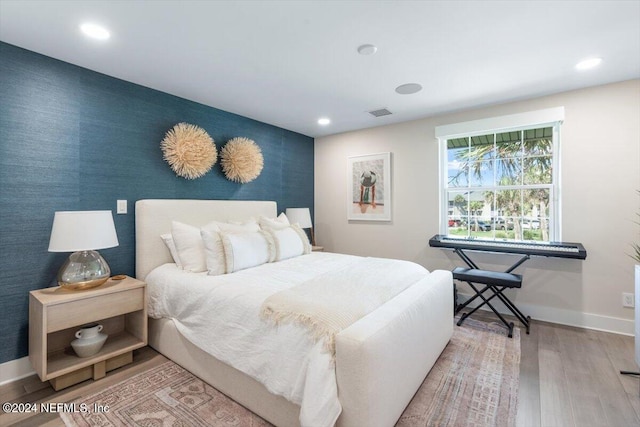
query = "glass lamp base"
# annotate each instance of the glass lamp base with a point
(83, 270)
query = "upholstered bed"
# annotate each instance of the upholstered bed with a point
(379, 361)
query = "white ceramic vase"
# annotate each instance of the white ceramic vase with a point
(89, 340)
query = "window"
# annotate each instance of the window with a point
(502, 182)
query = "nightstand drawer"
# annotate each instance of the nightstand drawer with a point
(87, 310)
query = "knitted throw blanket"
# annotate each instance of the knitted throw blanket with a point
(331, 302)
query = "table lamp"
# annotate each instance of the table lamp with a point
(302, 216)
(82, 232)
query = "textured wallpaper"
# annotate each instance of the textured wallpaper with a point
(74, 139)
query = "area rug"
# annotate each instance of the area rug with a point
(473, 383)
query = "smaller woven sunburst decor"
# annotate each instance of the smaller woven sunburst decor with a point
(189, 150)
(241, 160)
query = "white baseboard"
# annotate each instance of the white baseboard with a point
(565, 317)
(14, 370)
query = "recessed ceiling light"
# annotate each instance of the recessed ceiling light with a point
(95, 31)
(324, 121)
(409, 88)
(367, 49)
(588, 63)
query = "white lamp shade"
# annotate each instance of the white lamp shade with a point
(302, 216)
(82, 231)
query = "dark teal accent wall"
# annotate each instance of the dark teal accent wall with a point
(74, 139)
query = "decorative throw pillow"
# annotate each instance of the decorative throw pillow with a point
(245, 250)
(168, 241)
(190, 246)
(237, 227)
(280, 222)
(290, 242)
(214, 252)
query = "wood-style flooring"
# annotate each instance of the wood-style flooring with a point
(571, 377)
(568, 377)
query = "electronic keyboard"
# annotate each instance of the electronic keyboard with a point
(547, 249)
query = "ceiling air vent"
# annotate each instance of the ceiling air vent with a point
(379, 113)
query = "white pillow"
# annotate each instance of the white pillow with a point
(214, 252)
(245, 250)
(280, 222)
(290, 242)
(190, 246)
(237, 227)
(168, 240)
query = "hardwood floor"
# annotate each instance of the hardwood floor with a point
(568, 377)
(571, 377)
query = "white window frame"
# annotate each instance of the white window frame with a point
(551, 117)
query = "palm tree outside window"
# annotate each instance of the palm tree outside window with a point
(502, 185)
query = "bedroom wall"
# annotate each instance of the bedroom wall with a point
(600, 172)
(73, 139)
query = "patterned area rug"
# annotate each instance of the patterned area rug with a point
(473, 383)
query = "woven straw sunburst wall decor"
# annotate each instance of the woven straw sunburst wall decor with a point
(241, 160)
(189, 150)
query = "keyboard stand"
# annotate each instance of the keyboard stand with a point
(494, 282)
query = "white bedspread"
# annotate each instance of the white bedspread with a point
(331, 302)
(221, 315)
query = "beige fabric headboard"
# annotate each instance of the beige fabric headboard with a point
(153, 218)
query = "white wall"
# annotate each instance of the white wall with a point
(600, 173)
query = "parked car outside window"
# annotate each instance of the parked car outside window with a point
(531, 225)
(481, 225)
(504, 224)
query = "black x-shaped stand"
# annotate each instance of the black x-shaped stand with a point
(494, 283)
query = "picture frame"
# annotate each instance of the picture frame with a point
(369, 187)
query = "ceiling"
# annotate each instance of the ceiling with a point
(288, 63)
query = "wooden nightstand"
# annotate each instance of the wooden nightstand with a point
(317, 248)
(55, 314)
